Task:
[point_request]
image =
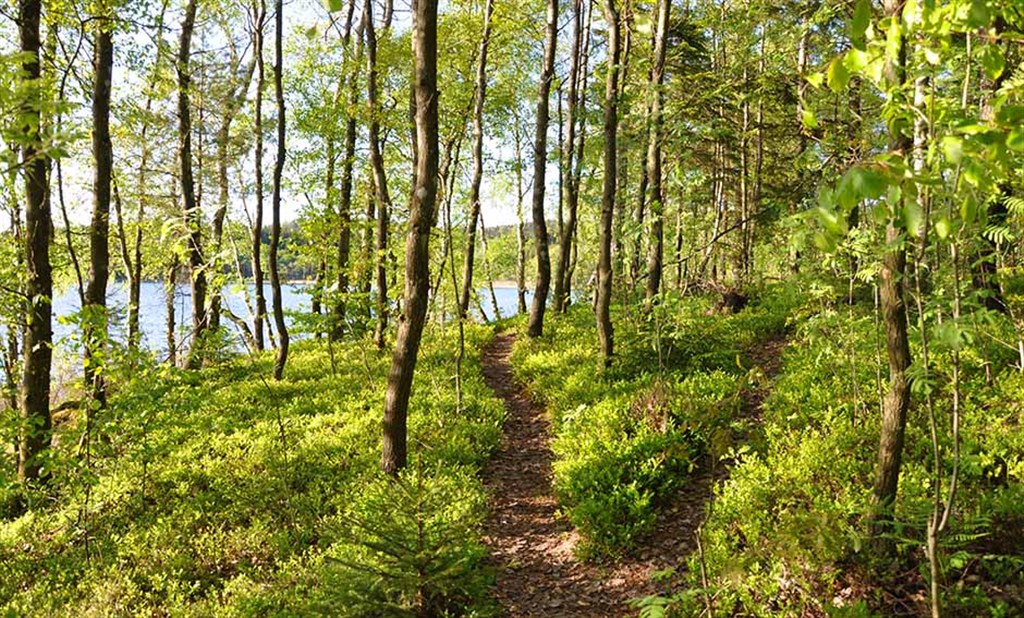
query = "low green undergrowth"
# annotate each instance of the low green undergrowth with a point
(223, 493)
(785, 534)
(626, 437)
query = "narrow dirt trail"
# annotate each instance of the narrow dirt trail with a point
(532, 547)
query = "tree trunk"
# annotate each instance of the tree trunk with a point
(380, 181)
(894, 315)
(571, 185)
(275, 229)
(603, 298)
(99, 230)
(540, 161)
(190, 207)
(259, 21)
(345, 207)
(417, 251)
(235, 99)
(170, 289)
(35, 384)
(478, 161)
(656, 249)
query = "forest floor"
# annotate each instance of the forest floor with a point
(532, 547)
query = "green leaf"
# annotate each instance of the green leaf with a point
(334, 5)
(838, 75)
(311, 32)
(810, 122)
(913, 219)
(816, 79)
(992, 60)
(861, 183)
(953, 148)
(1015, 140)
(969, 209)
(860, 23)
(943, 227)
(856, 60)
(980, 15)
(893, 38)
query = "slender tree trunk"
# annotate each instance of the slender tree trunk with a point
(170, 290)
(275, 233)
(380, 181)
(605, 331)
(417, 251)
(235, 99)
(35, 383)
(656, 249)
(520, 219)
(259, 21)
(570, 185)
(99, 230)
(345, 205)
(894, 315)
(540, 160)
(190, 206)
(478, 160)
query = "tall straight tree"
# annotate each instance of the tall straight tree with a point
(99, 229)
(190, 206)
(656, 248)
(235, 97)
(570, 157)
(478, 160)
(422, 205)
(259, 18)
(894, 315)
(275, 204)
(380, 179)
(540, 163)
(345, 198)
(34, 436)
(605, 332)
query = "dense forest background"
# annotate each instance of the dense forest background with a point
(766, 355)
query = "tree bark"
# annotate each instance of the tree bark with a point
(478, 161)
(656, 248)
(417, 252)
(275, 226)
(605, 331)
(540, 161)
(35, 384)
(380, 180)
(99, 229)
(894, 315)
(236, 96)
(571, 183)
(259, 21)
(190, 207)
(345, 204)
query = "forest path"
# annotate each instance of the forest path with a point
(532, 547)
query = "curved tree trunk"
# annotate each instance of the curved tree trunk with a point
(540, 161)
(275, 233)
(417, 250)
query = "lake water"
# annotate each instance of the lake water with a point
(153, 310)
